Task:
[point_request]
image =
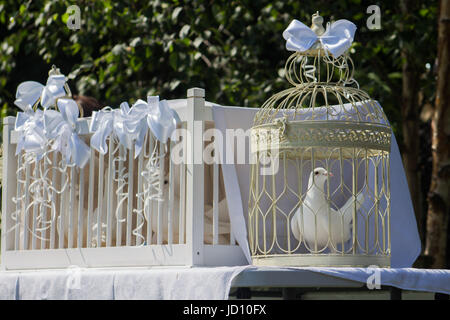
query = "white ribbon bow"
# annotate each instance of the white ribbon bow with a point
(337, 38)
(131, 124)
(30, 126)
(61, 126)
(28, 92)
(107, 121)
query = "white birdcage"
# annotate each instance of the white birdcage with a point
(117, 208)
(319, 185)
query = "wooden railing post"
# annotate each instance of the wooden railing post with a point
(195, 175)
(9, 183)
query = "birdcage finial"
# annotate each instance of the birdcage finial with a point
(54, 71)
(317, 24)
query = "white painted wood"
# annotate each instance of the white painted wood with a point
(62, 209)
(8, 187)
(139, 218)
(54, 198)
(130, 195)
(153, 255)
(171, 183)
(182, 213)
(42, 231)
(71, 210)
(81, 217)
(90, 198)
(215, 201)
(35, 206)
(101, 161)
(120, 198)
(18, 204)
(148, 207)
(26, 227)
(109, 192)
(195, 176)
(160, 204)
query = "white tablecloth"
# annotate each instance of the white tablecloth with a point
(185, 283)
(166, 283)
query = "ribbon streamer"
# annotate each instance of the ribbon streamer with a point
(337, 38)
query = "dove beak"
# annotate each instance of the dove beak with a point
(329, 174)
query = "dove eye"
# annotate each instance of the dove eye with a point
(316, 172)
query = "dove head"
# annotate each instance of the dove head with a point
(318, 177)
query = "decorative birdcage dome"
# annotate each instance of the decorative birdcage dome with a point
(319, 187)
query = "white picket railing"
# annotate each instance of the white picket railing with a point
(106, 214)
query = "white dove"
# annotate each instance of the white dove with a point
(315, 205)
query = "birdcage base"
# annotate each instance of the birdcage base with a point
(322, 260)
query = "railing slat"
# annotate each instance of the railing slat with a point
(120, 199)
(54, 204)
(71, 210)
(139, 218)
(101, 161)
(18, 207)
(109, 191)
(148, 207)
(130, 195)
(35, 206)
(90, 199)
(62, 210)
(171, 197)
(80, 210)
(160, 204)
(45, 213)
(215, 202)
(182, 206)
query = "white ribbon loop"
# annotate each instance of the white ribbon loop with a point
(61, 126)
(337, 38)
(102, 126)
(32, 137)
(53, 89)
(162, 120)
(29, 92)
(131, 124)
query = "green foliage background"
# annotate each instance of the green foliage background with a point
(234, 49)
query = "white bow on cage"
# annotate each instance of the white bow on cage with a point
(337, 38)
